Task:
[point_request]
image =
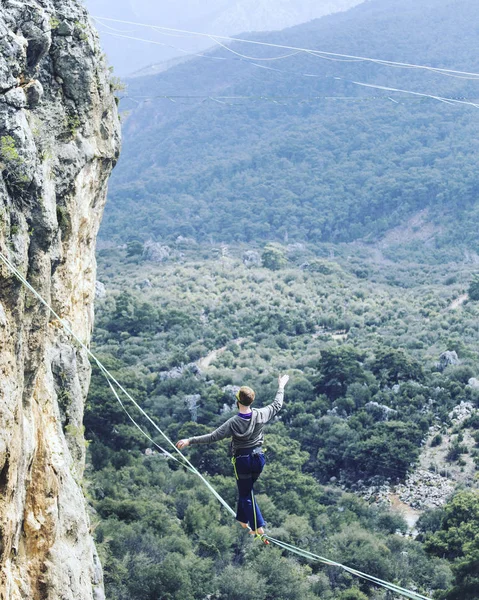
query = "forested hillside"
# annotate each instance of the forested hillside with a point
(314, 158)
(367, 392)
(275, 216)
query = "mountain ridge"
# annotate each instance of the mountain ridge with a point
(215, 17)
(332, 160)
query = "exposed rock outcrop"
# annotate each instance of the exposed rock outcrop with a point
(421, 490)
(59, 138)
(447, 359)
(251, 258)
(156, 252)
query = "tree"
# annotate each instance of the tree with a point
(353, 594)
(467, 579)
(392, 366)
(134, 249)
(338, 368)
(460, 527)
(133, 316)
(273, 257)
(474, 287)
(458, 540)
(241, 584)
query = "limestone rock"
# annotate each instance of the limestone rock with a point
(192, 403)
(178, 372)
(59, 139)
(461, 412)
(186, 241)
(473, 383)
(380, 411)
(145, 284)
(34, 93)
(100, 290)
(251, 258)
(297, 248)
(448, 358)
(231, 390)
(156, 252)
(421, 490)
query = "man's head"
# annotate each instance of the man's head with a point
(245, 396)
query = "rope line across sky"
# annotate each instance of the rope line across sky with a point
(318, 53)
(251, 61)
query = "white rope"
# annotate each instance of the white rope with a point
(299, 551)
(391, 89)
(284, 100)
(315, 557)
(162, 450)
(107, 373)
(250, 61)
(156, 43)
(213, 39)
(318, 53)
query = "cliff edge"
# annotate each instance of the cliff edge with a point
(59, 139)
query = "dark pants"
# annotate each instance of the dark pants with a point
(247, 470)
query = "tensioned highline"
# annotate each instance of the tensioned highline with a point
(318, 53)
(111, 380)
(250, 61)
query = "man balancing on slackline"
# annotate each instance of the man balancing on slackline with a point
(246, 431)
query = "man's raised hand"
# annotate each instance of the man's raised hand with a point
(282, 381)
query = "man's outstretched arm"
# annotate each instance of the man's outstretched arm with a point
(270, 411)
(209, 438)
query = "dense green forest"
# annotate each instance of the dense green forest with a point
(311, 226)
(362, 352)
(319, 158)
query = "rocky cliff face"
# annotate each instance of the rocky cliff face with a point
(59, 138)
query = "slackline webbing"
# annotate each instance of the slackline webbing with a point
(306, 554)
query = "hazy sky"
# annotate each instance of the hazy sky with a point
(210, 16)
(128, 55)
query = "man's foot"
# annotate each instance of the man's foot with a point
(259, 533)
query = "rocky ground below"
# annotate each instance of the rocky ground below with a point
(435, 479)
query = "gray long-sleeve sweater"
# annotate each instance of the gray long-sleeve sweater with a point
(245, 433)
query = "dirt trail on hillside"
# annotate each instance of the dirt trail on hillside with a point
(205, 362)
(458, 302)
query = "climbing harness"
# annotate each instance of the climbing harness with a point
(189, 466)
(233, 461)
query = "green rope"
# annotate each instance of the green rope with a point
(310, 556)
(187, 464)
(109, 376)
(165, 452)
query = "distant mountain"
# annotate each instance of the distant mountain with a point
(270, 15)
(222, 17)
(308, 158)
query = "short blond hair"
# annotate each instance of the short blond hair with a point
(245, 395)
